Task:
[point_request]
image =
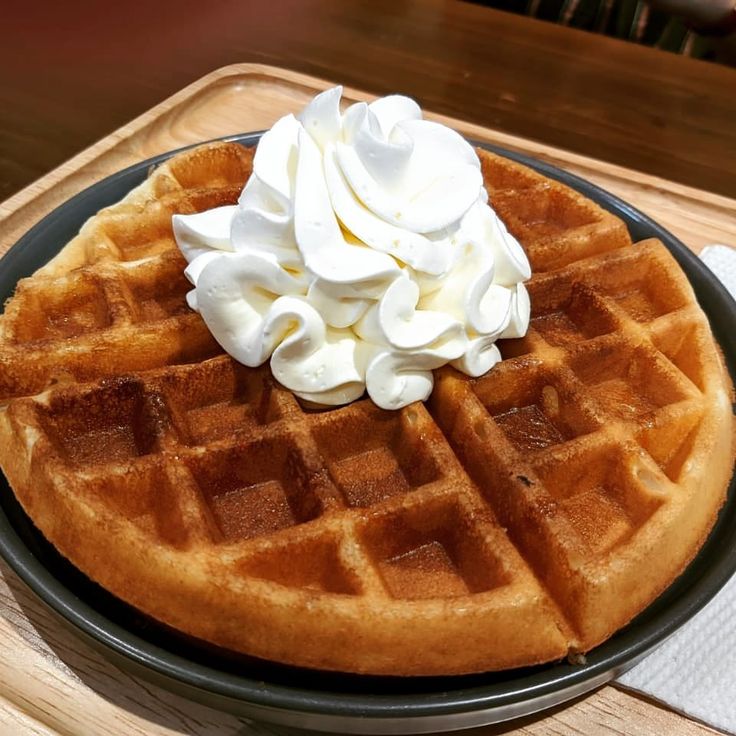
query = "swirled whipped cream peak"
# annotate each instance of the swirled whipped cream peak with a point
(362, 254)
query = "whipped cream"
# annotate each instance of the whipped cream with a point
(362, 254)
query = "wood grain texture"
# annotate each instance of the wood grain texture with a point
(246, 97)
(72, 72)
(53, 683)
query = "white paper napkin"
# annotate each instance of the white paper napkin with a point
(694, 671)
(721, 259)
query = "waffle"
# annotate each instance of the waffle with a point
(512, 520)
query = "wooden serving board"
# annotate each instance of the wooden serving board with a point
(53, 683)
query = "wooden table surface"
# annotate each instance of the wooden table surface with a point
(71, 73)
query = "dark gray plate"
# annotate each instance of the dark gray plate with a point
(349, 703)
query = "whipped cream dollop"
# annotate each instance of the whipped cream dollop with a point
(362, 254)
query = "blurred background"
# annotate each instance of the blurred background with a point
(699, 28)
(642, 85)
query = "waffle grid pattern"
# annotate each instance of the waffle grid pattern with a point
(526, 489)
(119, 282)
(588, 429)
(235, 458)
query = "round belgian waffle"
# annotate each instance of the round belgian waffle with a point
(513, 519)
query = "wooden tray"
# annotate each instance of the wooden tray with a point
(52, 683)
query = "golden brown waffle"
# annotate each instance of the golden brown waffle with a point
(513, 519)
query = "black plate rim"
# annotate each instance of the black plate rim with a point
(630, 645)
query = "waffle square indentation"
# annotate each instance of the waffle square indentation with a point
(66, 308)
(686, 346)
(436, 551)
(530, 404)
(671, 438)
(550, 211)
(138, 235)
(627, 383)
(158, 291)
(603, 492)
(600, 492)
(579, 317)
(145, 495)
(502, 175)
(115, 422)
(373, 454)
(641, 284)
(258, 488)
(515, 347)
(219, 398)
(210, 167)
(312, 563)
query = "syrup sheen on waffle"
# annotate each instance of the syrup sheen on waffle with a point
(512, 520)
